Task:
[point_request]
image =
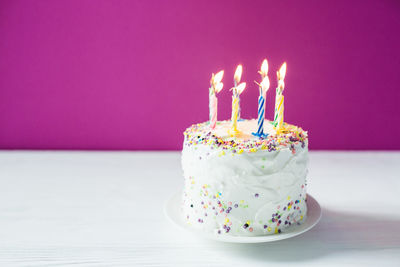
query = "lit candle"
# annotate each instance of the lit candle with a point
(263, 88)
(235, 107)
(215, 87)
(236, 81)
(279, 101)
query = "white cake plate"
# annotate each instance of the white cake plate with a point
(173, 213)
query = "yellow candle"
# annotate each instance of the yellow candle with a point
(279, 101)
(236, 80)
(235, 107)
(279, 122)
(235, 113)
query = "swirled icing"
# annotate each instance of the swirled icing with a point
(244, 185)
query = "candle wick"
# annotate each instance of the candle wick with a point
(259, 87)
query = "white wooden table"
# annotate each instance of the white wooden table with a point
(106, 209)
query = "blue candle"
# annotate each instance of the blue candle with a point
(261, 116)
(263, 87)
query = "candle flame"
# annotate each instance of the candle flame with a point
(218, 77)
(238, 73)
(240, 88)
(265, 84)
(264, 68)
(281, 84)
(282, 72)
(218, 87)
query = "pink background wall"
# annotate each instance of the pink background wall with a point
(135, 74)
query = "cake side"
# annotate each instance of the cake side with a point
(244, 185)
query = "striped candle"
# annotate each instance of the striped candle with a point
(279, 113)
(236, 80)
(261, 115)
(213, 102)
(215, 87)
(235, 113)
(263, 88)
(279, 100)
(239, 108)
(235, 108)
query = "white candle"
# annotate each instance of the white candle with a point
(215, 87)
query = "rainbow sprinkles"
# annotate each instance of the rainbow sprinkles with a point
(200, 134)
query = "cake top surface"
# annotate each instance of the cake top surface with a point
(244, 141)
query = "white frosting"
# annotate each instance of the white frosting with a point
(244, 194)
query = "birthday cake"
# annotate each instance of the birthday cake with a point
(245, 177)
(244, 185)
